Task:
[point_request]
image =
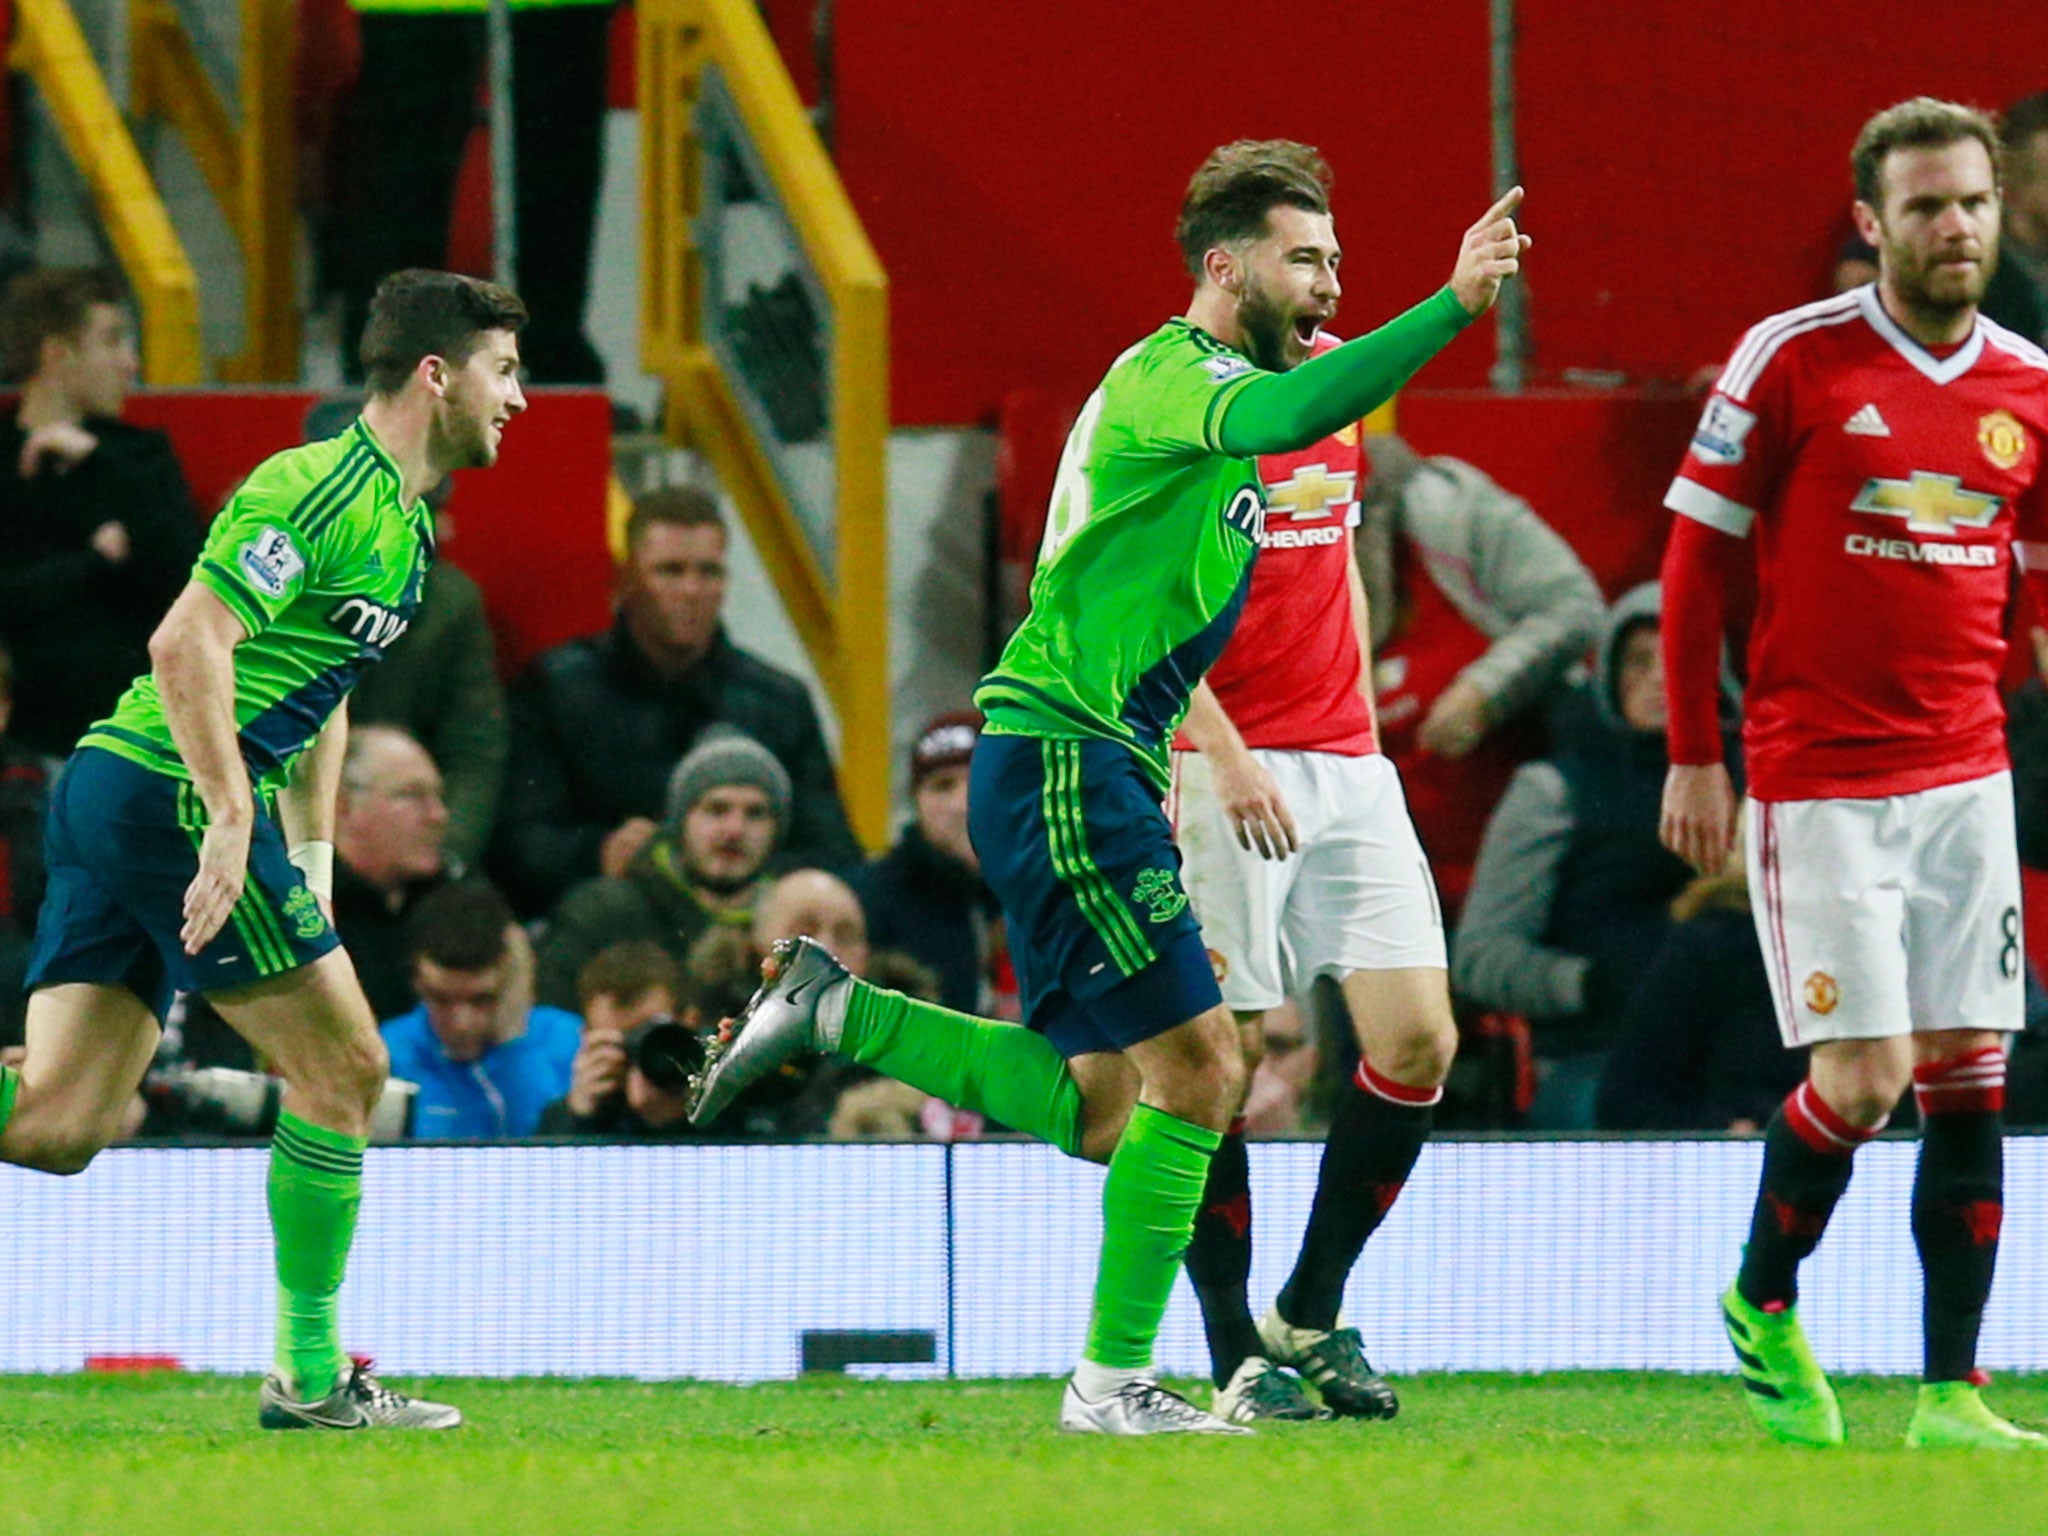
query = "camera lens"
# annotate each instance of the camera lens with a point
(667, 1053)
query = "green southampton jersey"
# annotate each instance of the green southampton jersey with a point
(322, 563)
(1147, 555)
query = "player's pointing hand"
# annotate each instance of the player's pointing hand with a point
(1491, 254)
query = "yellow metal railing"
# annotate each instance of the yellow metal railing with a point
(248, 164)
(843, 621)
(51, 50)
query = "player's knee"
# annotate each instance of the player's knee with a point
(366, 1069)
(1862, 1080)
(1418, 1056)
(344, 1077)
(1225, 1075)
(1234, 1075)
(1423, 1058)
(1197, 1072)
(1865, 1099)
(59, 1150)
(1872, 1107)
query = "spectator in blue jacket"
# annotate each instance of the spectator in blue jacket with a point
(487, 1060)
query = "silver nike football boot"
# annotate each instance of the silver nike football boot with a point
(779, 1023)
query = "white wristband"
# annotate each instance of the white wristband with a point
(315, 860)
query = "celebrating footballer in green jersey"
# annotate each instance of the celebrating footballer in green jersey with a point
(190, 838)
(1155, 520)
(1130, 1056)
(321, 562)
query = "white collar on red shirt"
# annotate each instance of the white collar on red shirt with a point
(1942, 370)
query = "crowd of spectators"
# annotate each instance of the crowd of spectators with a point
(552, 890)
(598, 723)
(1571, 894)
(1479, 609)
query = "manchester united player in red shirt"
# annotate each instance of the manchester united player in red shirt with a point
(1883, 451)
(1300, 861)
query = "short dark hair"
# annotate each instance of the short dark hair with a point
(626, 971)
(419, 313)
(460, 927)
(2023, 119)
(1239, 184)
(672, 506)
(47, 302)
(1922, 123)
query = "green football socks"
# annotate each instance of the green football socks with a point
(1004, 1071)
(316, 1183)
(10, 1085)
(1149, 1200)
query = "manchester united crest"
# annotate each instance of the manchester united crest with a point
(1822, 992)
(1220, 965)
(2002, 438)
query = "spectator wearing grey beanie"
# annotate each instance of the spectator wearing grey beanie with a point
(725, 811)
(726, 755)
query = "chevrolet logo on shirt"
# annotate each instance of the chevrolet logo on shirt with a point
(1928, 503)
(1311, 491)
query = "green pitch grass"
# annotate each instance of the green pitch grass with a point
(1578, 1455)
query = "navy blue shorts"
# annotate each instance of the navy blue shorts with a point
(122, 845)
(1073, 841)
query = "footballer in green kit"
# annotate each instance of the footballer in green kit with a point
(1130, 1056)
(190, 838)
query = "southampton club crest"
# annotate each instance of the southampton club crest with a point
(303, 908)
(1160, 895)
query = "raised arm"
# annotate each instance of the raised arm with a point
(1279, 412)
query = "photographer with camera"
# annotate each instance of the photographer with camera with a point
(630, 1078)
(485, 1056)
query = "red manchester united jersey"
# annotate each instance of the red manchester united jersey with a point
(1886, 485)
(1289, 677)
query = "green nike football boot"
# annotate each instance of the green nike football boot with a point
(1786, 1388)
(1950, 1415)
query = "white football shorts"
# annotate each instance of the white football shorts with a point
(1889, 916)
(1356, 896)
